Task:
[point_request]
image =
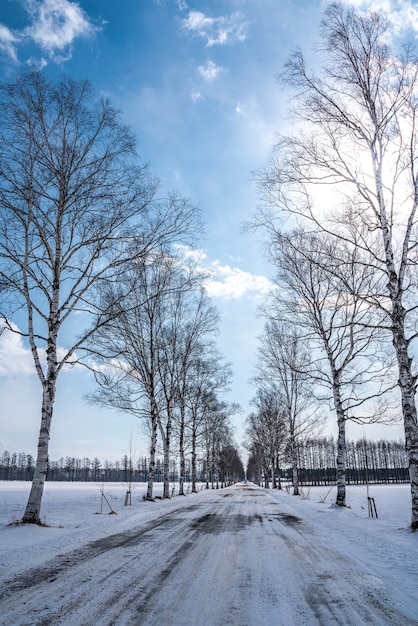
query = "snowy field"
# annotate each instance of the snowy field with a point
(242, 556)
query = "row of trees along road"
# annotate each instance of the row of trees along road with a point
(345, 179)
(87, 243)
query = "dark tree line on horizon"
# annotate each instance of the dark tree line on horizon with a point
(225, 468)
(382, 461)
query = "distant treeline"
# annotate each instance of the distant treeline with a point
(380, 461)
(20, 466)
(367, 461)
(371, 461)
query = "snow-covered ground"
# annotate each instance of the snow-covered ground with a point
(241, 556)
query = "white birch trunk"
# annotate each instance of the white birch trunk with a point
(32, 513)
(166, 437)
(295, 474)
(153, 446)
(409, 409)
(407, 381)
(277, 466)
(194, 458)
(181, 452)
(341, 446)
(341, 462)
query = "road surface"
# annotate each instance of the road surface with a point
(230, 558)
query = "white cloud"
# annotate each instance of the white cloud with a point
(402, 13)
(216, 30)
(37, 63)
(194, 254)
(366, 5)
(8, 42)
(232, 283)
(56, 24)
(210, 71)
(14, 357)
(225, 281)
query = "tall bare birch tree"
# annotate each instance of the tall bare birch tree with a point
(355, 150)
(75, 205)
(319, 287)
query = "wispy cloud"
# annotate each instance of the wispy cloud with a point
(240, 108)
(196, 95)
(54, 26)
(210, 71)
(216, 30)
(8, 42)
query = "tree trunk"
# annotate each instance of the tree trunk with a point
(33, 506)
(207, 468)
(166, 454)
(294, 458)
(409, 410)
(279, 480)
(266, 478)
(273, 475)
(153, 446)
(194, 458)
(341, 462)
(213, 466)
(181, 453)
(341, 447)
(182, 464)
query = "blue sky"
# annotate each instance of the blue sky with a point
(196, 82)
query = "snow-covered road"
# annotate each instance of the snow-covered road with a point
(232, 556)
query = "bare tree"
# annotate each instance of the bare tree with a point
(128, 348)
(282, 365)
(75, 205)
(357, 139)
(190, 322)
(230, 464)
(267, 433)
(320, 287)
(216, 433)
(208, 379)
